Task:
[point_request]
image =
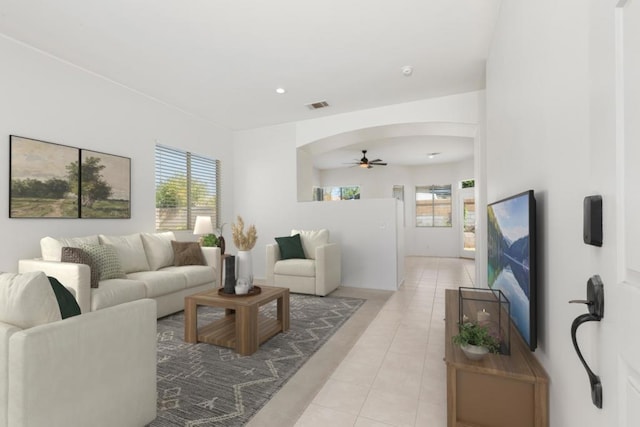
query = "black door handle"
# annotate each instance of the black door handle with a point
(595, 303)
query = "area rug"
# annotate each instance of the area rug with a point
(206, 385)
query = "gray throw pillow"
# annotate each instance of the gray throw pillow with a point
(79, 256)
(106, 259)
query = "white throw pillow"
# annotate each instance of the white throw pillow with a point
(311, 239)
(158, 249)
(130, 251)
(51, 247)
(27, 300)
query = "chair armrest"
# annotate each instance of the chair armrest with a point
(273, 255)
(6, 331)
(212, 258)
(71, 275)
(99, 366)
(328, 268)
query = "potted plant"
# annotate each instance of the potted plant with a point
(244, 241)
(209, 240)
(475, 340)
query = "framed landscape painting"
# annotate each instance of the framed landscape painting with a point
(105, 185)
(43, 179)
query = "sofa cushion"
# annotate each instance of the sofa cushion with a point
(80, 256)
(187, 253)
(130, 251)
(113, 292)
(51, 248)
(66, 302)
(158, 283)
(106, 259)
(27, 300)
(195, 275)
(295, 267)
(311, 240)
(290, 247)
(158, 249)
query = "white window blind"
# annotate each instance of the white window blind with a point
(186, 186)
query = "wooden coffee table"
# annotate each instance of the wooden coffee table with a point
(242, 328)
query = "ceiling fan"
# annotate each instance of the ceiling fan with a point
(366, 163)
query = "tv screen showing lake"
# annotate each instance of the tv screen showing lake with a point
(509, 258)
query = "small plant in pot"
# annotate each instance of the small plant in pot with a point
(209, 240)
(475, 340)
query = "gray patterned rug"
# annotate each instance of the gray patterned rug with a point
(206, 385)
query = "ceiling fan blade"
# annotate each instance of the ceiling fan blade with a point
(374, 161)
(378, 163)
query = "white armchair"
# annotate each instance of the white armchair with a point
(95, 369)
(319, 273)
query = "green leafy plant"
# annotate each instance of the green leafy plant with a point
(209, 240)
(474, 334)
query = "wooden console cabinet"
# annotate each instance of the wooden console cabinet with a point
(497, 391)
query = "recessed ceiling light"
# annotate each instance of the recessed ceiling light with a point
(281, 90)
(407, 70)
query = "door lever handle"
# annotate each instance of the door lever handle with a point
(595, 304)
(581, 301)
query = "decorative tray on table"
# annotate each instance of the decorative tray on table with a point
(253, 291)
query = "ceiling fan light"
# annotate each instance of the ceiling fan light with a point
(364, 165)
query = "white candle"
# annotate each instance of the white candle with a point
(483, 316)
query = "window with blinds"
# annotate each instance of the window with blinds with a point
(186, 186)
(433, 206)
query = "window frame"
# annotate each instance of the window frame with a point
(199, 194)
(433, 190)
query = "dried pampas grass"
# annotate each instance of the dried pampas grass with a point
(242, 241)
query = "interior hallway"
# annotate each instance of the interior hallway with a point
(385, 366)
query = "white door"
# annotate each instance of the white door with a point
(625, 295)
(467, 223)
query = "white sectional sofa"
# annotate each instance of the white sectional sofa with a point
(96, 369)
(147, 262)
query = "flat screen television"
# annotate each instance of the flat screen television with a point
(512, 259)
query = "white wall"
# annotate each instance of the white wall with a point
(549, 128)
(378, 182)
(266, 180)
(44, 98)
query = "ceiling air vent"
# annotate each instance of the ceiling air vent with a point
(317, 105)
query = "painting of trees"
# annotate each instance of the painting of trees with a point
(40, 184)
(104, 182)
(57, 181)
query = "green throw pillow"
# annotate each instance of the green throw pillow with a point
(68, 305)
(290, 247)
(105, 258)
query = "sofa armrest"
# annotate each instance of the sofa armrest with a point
(273, 256)
(212, 257)
(6, 331)
(328, 268)
(99, 366)
(72, 275)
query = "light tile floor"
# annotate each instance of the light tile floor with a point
(385, 366)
